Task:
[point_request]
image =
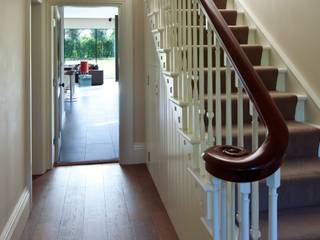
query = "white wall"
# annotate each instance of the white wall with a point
(13, 117)
(294, 27)
(38, 89)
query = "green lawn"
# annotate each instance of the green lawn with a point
(107, 65)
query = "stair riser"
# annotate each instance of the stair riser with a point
(244, 35)
(254, 54)
(269, 79)
(221, 4)
(288, 198)
(296, 146)
(287, 107)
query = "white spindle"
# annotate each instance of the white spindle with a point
(175, 36)
(202, 110)
(255, 229)
(245, 219)
(157, 7)
(190, 76)
(170, 33)
(210, 113)
(180, 51)
(184, 40)
(209, 206)
(228, 104)
(240, 134)
(216, 211)
(166, 20)
(231, 186)
(161, 13)
(273, 183)
(231, 211)
(195, 67)
(218, 110)
(223, 209)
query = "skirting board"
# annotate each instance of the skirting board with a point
(16, 223)
(138, 153)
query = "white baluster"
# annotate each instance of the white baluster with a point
(228, 104)
(169, 9)
(175, 36)
(255, 229)
(240, 138)
(218, 111)
(180, 51)
(158, 7)
(189, 47)
(210, 113)
(240, 134)
(161, 15)
(184, 68)
(223, 209)
(231, 186)
(166, 24)
(245, 215)
(231, 211)
(209, 206)
(273, 183)
(216, 211)
(195, 67)
(202, 110)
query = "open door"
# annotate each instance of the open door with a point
(117, 47)
(58, 78)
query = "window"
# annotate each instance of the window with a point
(89, 44)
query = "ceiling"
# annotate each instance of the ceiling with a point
(90, 12)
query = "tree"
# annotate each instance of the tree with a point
(72, 43)
(98, 44)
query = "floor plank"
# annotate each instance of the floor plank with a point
(94, 202)
(91, 131)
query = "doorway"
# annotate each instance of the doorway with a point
(88, 99)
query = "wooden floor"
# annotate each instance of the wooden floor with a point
(96, 202)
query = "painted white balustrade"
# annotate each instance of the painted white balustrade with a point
(211, 98)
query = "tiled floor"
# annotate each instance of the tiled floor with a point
(97, 202)
(91, 131)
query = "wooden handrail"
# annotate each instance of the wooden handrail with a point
(232, 163)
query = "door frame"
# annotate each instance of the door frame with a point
(126, 89)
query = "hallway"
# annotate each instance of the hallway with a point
(97, 202)
(91, 131)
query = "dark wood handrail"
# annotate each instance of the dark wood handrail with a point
(232, 163)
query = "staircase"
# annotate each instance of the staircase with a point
(204, 86)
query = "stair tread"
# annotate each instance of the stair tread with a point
(273, 94)
(295, 224)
